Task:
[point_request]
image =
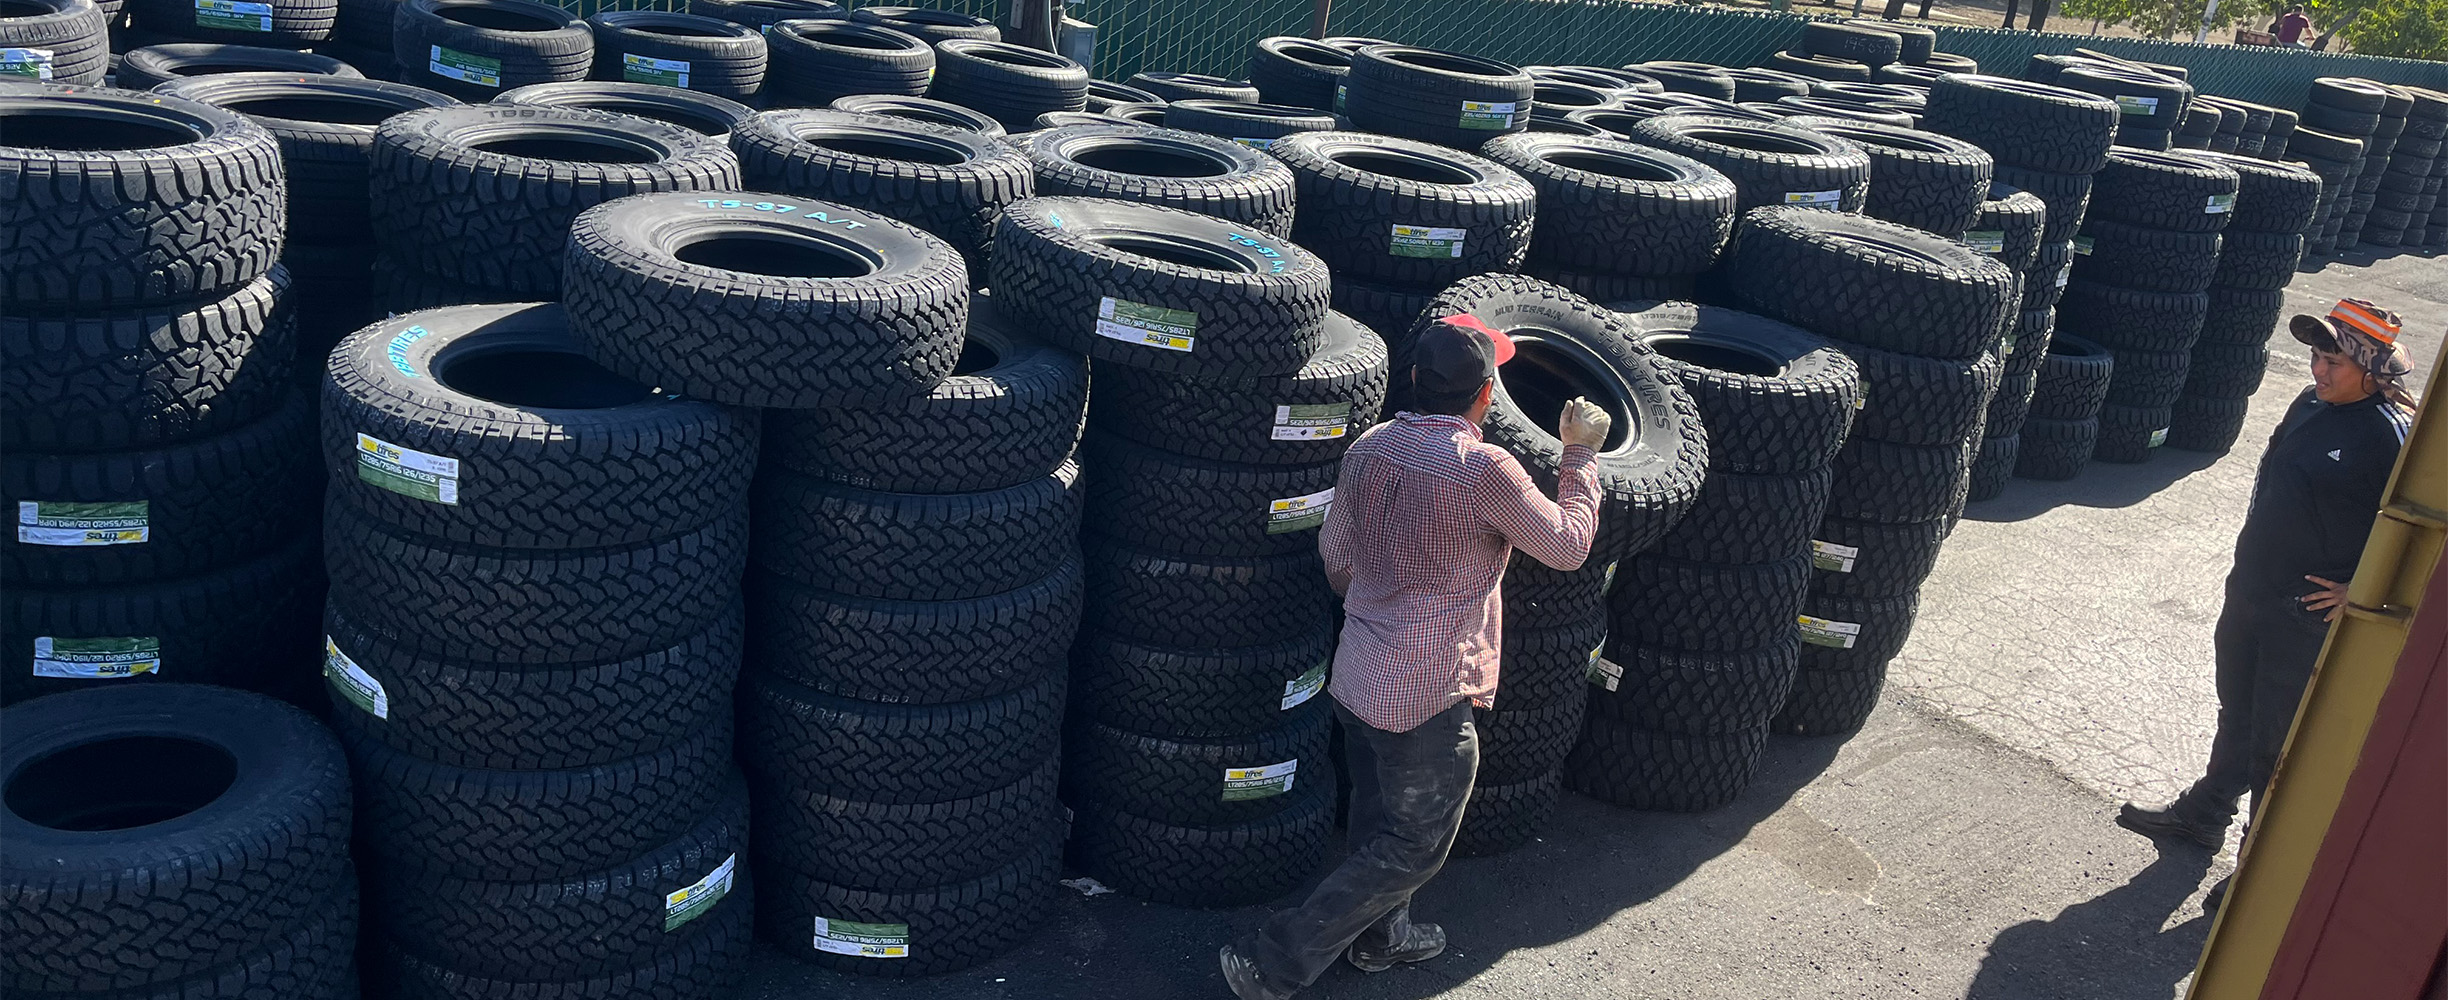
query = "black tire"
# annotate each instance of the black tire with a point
(761, 14)
(700, 969)
(2045, 284)
(448, 205)
(2147, 101)
(1552, 98)
(898, 847)
(2055, 449)
(1900, 73)
(1615, 207)
(282, 22)
(1837, 109)
(1868, 559)
(2010, 406)
(1194, 780)
(1433, 96)
(1406, 212)
(929, 24)
(1191, 171)
(912, 652)
(140, 378)
(1206, 602)
(1500, 818)
(1518, 744)
(2349, 94)
(198, 504)
(2207, 424)
(1171, 87)
(154, 65)
(914, 546)
(1778, 399)
(1012, 410)
(1204, 693)
(533, 606)
(1252, 125)
(1639, 769)
(1150, 115)
(2027, 346)
(1873, 283)
(1769, 164)
(1705, 606)
(2068, 197)
(426, 430)
(1312, 415)
(1745, 518)
(1012, 83)
(93, 224)
(2009, 227)
(1255, 305)
(1679, 692)
(1297, 71)
(325, 126)
(2144, 258)
(64, 41)
(1211, 866)
(1924, 180)
(681, 51)
(1756, 85)
(1885, 623)
(1688, 78)
(1105, 95)
(922, 110)
(1652, 463)
(733, 323)
(903, 754)
(1616, 288)
(475, 49)
(1159, 500)
(109, 898)
(1548, 665)
(1914, 42)
(2183, 192)
(1859, 43)
(2034, 126)
(930, 931)
(2148, 378)
(1829, 702)
(1899, 483)
(2257, 260)
(812, 63)
(2129, 320)
(950, 181)
(1991, 467)
(2225, 371)
(1911, 399)
(1820, 67)
(2241, 315)
(2271, 197)
(584, 924)
(705, 114)
(2128, 434)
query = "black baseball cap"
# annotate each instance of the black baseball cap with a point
(1457, 354)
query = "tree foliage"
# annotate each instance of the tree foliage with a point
(2414, 29)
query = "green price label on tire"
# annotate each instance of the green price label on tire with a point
(660, 72)
(464, 67)
(96, 657)
(233, 15)
(1244, 783)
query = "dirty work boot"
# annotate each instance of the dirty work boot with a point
(2172, 823)
(1242, 975)
(1419, 943)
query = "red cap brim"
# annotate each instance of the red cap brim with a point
(1502, 344)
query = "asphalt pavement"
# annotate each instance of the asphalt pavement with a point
(1959, 846)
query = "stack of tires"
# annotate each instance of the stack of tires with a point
(704, 114)
(219, 868)
(475, 50)
(361, 37)
(1703, 649)
(764, 14)
(56, 41)
(813, 62)
(325, 127)
(2150, 106)
(2354, 109)
(2243, 128)
(1846, 51)
(1922, 318)
(1931, 182)
(1171, 167)
(682, 51)
(289, 24)
(2258, 253)
(1013, 84)
(1196, 757)
(1400, 219)
(915, 578)
(2337, 160)
(154, 441)
(2009, 228)
(1299, 72)
(1447, 98)
(1650, 471)
(2409, 188)
(951, 182)
(2061, 427)
(1769, 163)
(2146, 257)
(531, 644)
(1619, 221)
(474, 203)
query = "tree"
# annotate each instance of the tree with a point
(2413, 29)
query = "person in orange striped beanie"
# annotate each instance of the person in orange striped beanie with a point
(2312, 504)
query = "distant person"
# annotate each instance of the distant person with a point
(2292, 25)
(2312, 505)
(1425, 516)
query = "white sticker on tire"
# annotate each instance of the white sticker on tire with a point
(1832, 557)
(1146, 325)
(1832, 634)
(687, 902)
(1255, 143)
(1990, 241)
(1244, 783)
(2158, 437)
(97, 657)
(862, 940)
(660, 72)
(406, 471)
(1492, 116)
(464, 67)
(1311, 422)
(233, 15)
(2082, 245)
(1605, 674)
(1432, 242)
(1814, 199)
(78, 525)
(1299, 690)
(353, 683)
(30, 63)
(2132, 105)
(2220, 204)
(1299, 513)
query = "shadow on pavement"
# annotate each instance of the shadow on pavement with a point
(1592, 862)
(2102, 485)
(2109, 948)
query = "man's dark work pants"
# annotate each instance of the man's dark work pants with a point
(1408, 790)
(2264, 661)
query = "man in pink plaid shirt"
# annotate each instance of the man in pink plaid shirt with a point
(1425, 516)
